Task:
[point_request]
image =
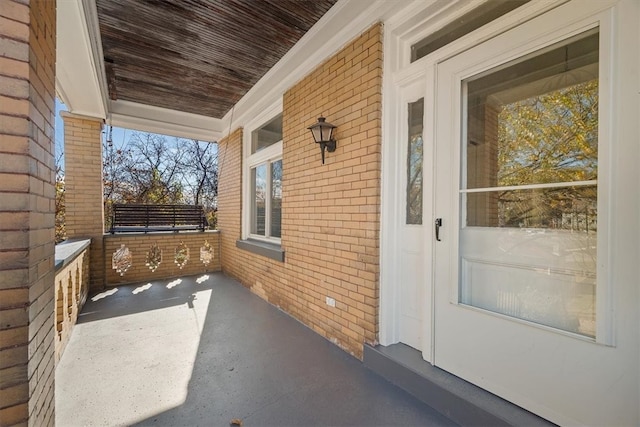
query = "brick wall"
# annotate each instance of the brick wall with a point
(139, 245)
(27, 206)
(330, 213)
(230, 199)
(84, 216)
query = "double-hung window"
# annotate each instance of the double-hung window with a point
(263, 191)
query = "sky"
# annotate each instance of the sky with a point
(119, 136)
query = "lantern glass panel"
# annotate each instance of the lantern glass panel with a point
(317, 133)
(326, 133)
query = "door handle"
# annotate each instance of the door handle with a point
(438, 225)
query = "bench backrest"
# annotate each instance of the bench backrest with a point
(158, 216)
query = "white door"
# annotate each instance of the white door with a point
(522, 296)
(409, 198)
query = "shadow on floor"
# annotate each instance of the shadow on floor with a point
(123, 300)
(247, 361)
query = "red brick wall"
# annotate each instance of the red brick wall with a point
(27, 206)
(330, 222)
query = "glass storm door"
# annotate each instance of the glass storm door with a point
(517, 192)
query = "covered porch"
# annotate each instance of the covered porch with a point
(319, 268)
(203, 350)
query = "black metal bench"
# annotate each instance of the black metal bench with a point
(146, 218)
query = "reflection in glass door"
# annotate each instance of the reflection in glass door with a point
(528, 192)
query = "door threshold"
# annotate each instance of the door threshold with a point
(455, 398)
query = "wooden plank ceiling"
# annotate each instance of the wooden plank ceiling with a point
(198, 56)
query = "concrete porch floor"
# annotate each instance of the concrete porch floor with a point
(203, 350)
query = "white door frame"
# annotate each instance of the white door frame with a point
(410, 25)
(403, 29)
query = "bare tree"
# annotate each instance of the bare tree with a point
(155, 169)
(201, 172)
(61, 233)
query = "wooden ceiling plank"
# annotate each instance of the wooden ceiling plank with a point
(191, 54)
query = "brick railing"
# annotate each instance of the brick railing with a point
(139, 246)
(71, 289)
(72, 270)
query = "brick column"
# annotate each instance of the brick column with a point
(27, 210)
(230, 200)
(84, 215)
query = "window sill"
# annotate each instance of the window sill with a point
(269, 250)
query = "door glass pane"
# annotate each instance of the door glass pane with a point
(258, 197)
(554, 208)
(414, 163)
(535, 121)
(276, 198)
(528, 191)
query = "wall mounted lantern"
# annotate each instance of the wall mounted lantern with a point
(323, 134)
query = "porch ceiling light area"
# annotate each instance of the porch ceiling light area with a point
(197, 57)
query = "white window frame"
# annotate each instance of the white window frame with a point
(267, 156)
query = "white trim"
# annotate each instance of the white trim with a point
(273, 152)
(393, 218)
(132, 115)
(439, 19)
(430, 206)
(341, 24)
(95, 41)
(77, 73)
(62, 95)
(607, 134)
(402, 29)
(388, 322)
(449, 12)
(261, 118)
(527, 186)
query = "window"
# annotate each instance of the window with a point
(414, 163)
(266, 195)
(462, 26)
(267, 135)
(264, 189)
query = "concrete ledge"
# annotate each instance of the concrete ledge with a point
(458, 400)
(268, 250)
(66, 252)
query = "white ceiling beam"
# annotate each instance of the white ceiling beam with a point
(78, 80)
(147, 118)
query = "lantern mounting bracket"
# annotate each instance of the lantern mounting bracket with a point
(330, 146)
